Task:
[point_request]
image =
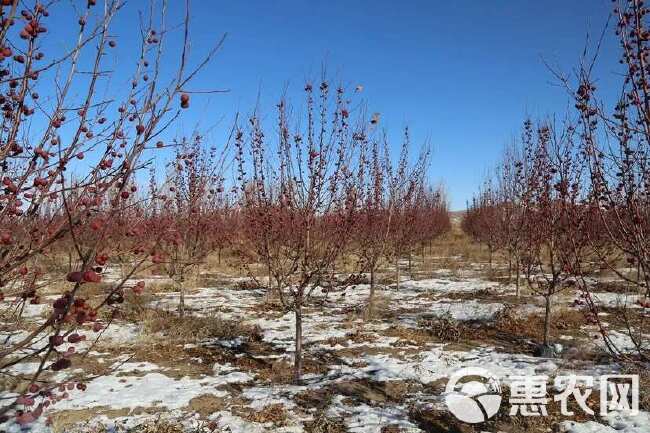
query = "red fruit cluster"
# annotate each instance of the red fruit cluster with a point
(5, 52)
(101, 259)
(73, 311)
(61, 364)
(62, 303)
(56, 340)
(75, 338)
(88, 276)
(91, 277)
(32, 29)
(10, 186)
(40, 182)
(105, 164)
(185, 100)
(39, 151)
(81, 312)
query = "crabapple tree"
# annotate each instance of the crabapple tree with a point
(68, 163)
(300, 194)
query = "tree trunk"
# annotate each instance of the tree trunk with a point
(181, 301)
(371, 297)
(219, 256)
(269, 287)
(509, 267)
(397, 272)
(297, 363)
(490, 258)
(547, 319)
(517, 280)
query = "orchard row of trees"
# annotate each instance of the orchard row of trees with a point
(298, 203)
(314, 195)
(572, 196)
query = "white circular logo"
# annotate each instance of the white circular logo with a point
(473, 395)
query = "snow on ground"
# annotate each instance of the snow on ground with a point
(446, 285)
(616, 300)
(280, 331)
(30, 311)
(367, 419)
(121, 390)
(622, 341)
(210, 301)
(115, 333)
(113, 274)
(322, 325)
(466, 310)
(327, 327)
(617, 422)
(437, 363)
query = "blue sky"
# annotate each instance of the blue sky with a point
(461, 74)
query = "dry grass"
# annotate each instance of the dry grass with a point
(410, 336)
(507, 331)
(358, 391)
(280, 372)
(206, 404)
(515, 333)
(169, 426)
(174, 329)
(194, 328)
(275, 414)
(165, 335)
(357, 336)
(325, 424)
(83, 421)
(247, 284)
(313, 398)
(440, 420)
(453, 251)
(63, 421)
(381, 308)
(644, 383)
(445, 328)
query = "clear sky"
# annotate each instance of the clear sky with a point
(461, 74)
